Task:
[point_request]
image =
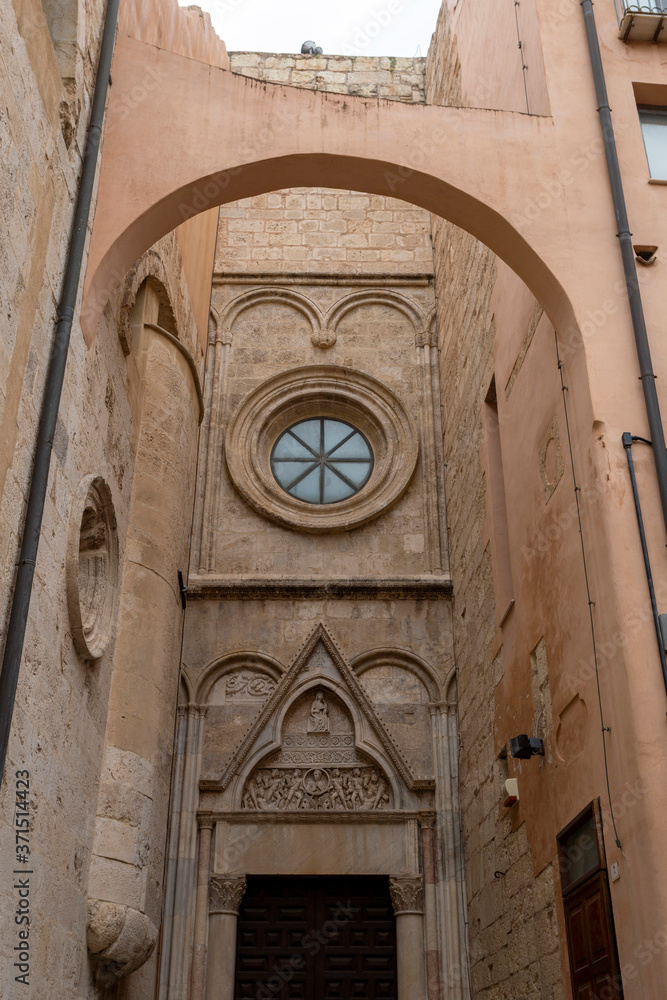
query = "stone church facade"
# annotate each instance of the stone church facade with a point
(337, 509)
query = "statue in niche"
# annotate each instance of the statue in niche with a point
(318, 721)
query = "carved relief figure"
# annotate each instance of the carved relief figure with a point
(319, 715)
(358, 788)
(250, 684)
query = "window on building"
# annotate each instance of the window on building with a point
(654, 130)
(322, 460)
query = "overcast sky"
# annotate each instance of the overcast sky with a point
(349, 27)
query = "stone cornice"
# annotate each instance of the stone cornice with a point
(238, 588)
(299, 278)
(363, 818)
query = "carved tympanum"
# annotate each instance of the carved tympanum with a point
(407, 893)
(337, 789)
(226, 893)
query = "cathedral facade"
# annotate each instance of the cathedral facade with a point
(343, 672)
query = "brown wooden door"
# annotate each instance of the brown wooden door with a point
(591, 941)
(316, 939)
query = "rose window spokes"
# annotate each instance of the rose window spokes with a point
(322, 460)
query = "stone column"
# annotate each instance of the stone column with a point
(407, 897)
(213, 453)
(125, 886)
(450, 884)
(433, 966)
(201, 909)
(225, 897)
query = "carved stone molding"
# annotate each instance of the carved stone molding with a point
(226, 893)
(91, 573)
(248, 685)
(119, 938)
(333, 789)
(407, 893)
(327, 391)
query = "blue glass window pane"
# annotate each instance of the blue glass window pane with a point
(335, 431)
(289, 473)
(322, 460)
(336, 489)
(309, 431)
(355, 447)
(654, 130)
(354, 471)
(309, 487)
(289, 447)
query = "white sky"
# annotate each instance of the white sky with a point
(348, 27)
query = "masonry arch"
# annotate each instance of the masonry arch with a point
(285, 296)
(381, 297)
(314, 140)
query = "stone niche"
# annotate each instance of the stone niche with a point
(92, 567)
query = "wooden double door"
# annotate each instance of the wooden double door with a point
(328, 938)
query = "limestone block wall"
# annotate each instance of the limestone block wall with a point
(60, 718)
(361, 76)
(308, 229)
(273, 337)
(313, 229)
(513, 930)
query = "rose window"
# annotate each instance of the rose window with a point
(322, 460)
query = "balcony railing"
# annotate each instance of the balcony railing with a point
(642, 22)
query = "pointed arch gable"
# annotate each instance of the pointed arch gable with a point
(282, 695)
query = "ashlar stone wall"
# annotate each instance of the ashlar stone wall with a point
(60, 716)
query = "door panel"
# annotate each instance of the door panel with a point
(591, 942)
(316, 939)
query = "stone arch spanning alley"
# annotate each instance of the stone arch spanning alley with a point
(224, 150)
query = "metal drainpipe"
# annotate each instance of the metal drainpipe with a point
(52, 391)
(647, 375)
(627, 440)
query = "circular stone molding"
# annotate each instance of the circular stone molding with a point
(321, 391)
(91, 567)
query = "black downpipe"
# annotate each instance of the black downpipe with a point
(627, 440)
(647, 375)
(52, 391)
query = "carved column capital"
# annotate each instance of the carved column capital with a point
(407, 893)
(427, 820)
(225, 893)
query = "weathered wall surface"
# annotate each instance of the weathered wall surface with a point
(48, 54)
(307, 229)
(359, 76)
(514, 946)
(313, 229)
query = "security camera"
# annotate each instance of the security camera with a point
(524, 747)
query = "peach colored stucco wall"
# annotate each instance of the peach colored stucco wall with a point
(546, 564)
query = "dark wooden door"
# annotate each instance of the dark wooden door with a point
(316, 939)
(591, 941)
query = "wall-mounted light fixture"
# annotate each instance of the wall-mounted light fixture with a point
(524, 747)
